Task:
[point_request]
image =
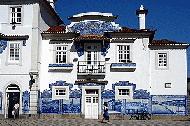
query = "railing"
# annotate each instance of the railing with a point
(91, 67)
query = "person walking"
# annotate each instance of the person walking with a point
(16, 110)
(105, 114)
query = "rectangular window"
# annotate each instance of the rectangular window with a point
(124, 91)
(162, 60)
(61, 54)
(167, 85)
(16, 15)
(60, 92)
(124, 53)
(14, 52)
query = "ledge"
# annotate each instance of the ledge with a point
(60, 67)
(123, 67)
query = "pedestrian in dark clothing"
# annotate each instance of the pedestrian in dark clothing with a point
(105, 114)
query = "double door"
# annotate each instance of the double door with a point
(91, 106)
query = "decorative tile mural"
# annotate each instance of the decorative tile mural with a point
(94, 27)
(104, 49)
(139, 102)
(79, 48)
(142, 101)
(3, 45)
(25, 102)
(47, 105)
(169, 104)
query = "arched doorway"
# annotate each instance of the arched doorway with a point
(12, 97)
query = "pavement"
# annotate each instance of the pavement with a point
(89, 122)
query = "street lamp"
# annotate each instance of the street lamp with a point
(31, 80)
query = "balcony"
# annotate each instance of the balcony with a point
(123, 67)
(91, 68)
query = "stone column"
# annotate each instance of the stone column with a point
(34, 96)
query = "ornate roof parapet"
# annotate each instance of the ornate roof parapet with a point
(94, 23)
(92, 27)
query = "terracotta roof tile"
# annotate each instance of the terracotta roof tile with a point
(56, 29)
(91, 37)
(166, 43)
(163, 42)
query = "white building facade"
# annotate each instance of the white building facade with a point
(74, 69)
(21, 25)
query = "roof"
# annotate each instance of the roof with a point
(92, 16)
(130, 30)
(91, 37)
(56, 29)
(165, 43)
(13, 37)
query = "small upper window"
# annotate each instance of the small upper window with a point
(16, 15)
(61, 54)
(14, 51)
(60, 92)
(162, 60)
(168, 85)
(124, 92)
(123, 53)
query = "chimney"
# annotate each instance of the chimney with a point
(52, 3)
(141, 13)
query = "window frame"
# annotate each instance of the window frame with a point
(168, 85)
(64, 96)
(55, 53)
(162, 67)
(120, 96)
(17, 62)
(130, 53)
(16, 15)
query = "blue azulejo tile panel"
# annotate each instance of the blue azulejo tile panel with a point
(60, 83)
(25, 102)
(74, 106)
(104, 49)
(93, 27)
(79, 48)
(3, 45)
(140, 105)
(169, 104)
(75, 93)
(46, 94)
(49, 106)
(141, 94)
(108, 94)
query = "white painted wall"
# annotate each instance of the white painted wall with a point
(146, 76)
(35, 20)
(176, 74)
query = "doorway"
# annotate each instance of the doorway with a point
(91, 104)
(13, 97)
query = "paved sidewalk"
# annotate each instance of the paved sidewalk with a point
(85, 122)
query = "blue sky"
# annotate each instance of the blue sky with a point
(171, 18)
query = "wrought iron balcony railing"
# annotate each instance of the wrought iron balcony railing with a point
(91, 67)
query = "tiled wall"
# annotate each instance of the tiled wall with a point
(142, 101)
